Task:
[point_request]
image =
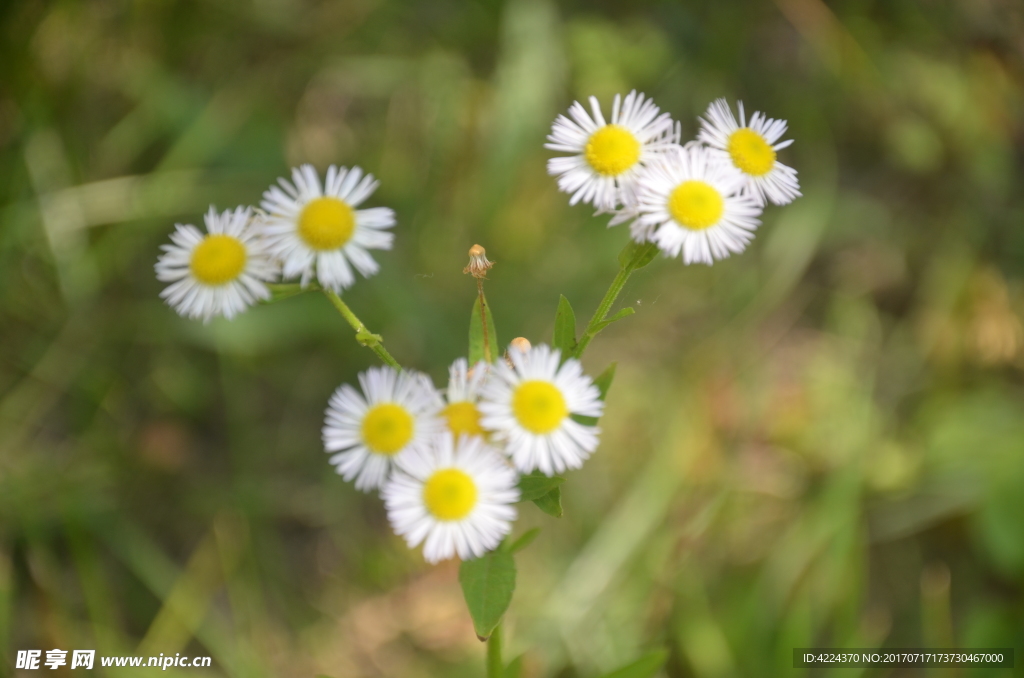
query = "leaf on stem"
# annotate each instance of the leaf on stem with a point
(487, 584)
(523, 541)
(565, 328)
(551, 503)
(279, 291)
(622, 313)
(645, 667)
(477, 332)
(637, 255)
(603, 382)
(535, 485)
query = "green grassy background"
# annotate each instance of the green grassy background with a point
(817, 442)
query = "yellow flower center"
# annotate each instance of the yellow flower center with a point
(750, 152)
(612, 150)
(463, 418)
(326, 223)
(696, 205)
(539, 406)
(218, 259)
(387, 428)
(450, 494)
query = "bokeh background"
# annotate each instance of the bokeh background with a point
(819, 442)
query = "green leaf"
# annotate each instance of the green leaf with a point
(622, 313)
(565, 328)
(637, 255)
(535, 485)
(487, 584)
(551, 503)
(279, 291)
(514, 669)
(478, 330)
(645, 667)
(603, 382)
(524, 540)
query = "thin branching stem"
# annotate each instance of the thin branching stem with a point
(372, 341)
(597, 322)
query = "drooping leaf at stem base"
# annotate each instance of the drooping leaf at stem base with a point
(487, 584)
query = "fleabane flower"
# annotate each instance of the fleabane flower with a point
(461, 414)
(397, 412)
(317, 231)
(455, 496)
(529, 404)
(691, 205)
(220, 272)
(607, 156)
(752, 149)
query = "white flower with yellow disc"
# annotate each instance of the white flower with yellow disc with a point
(691, 206)
(220, 272)
(752, 149)
(461, 413)
(607, 156)
(397, 412)
(529, 404)
(454, 496)
(317, 231)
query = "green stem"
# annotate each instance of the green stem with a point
(363, 335)
(601, 314)
(495, 669)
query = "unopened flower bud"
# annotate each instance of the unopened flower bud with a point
(521, 344)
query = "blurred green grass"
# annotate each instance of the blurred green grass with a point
(818, 442)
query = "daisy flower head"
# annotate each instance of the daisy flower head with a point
(529, 404)
(316, 230)
(607, 156)
(397, 412)
(752, 148)
(461, 414)
(455, 496)
(691, 205)
(220, 272)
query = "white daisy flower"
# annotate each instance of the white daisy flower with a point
(461, 413)
(220, 272)
(397, 412)
(752, 150)
(607, 157)
(529, 404)
(691, 205)
(317, 231)
(456, 495)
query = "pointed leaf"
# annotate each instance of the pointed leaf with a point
(622, 313)
(515, 669)
(481, 326)
(487, 584)
(535, 485)
(603, 382)
(565, 328)
(637, 255)
(279, 291)
(523, 541)
(645, 667)
(551, 503)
